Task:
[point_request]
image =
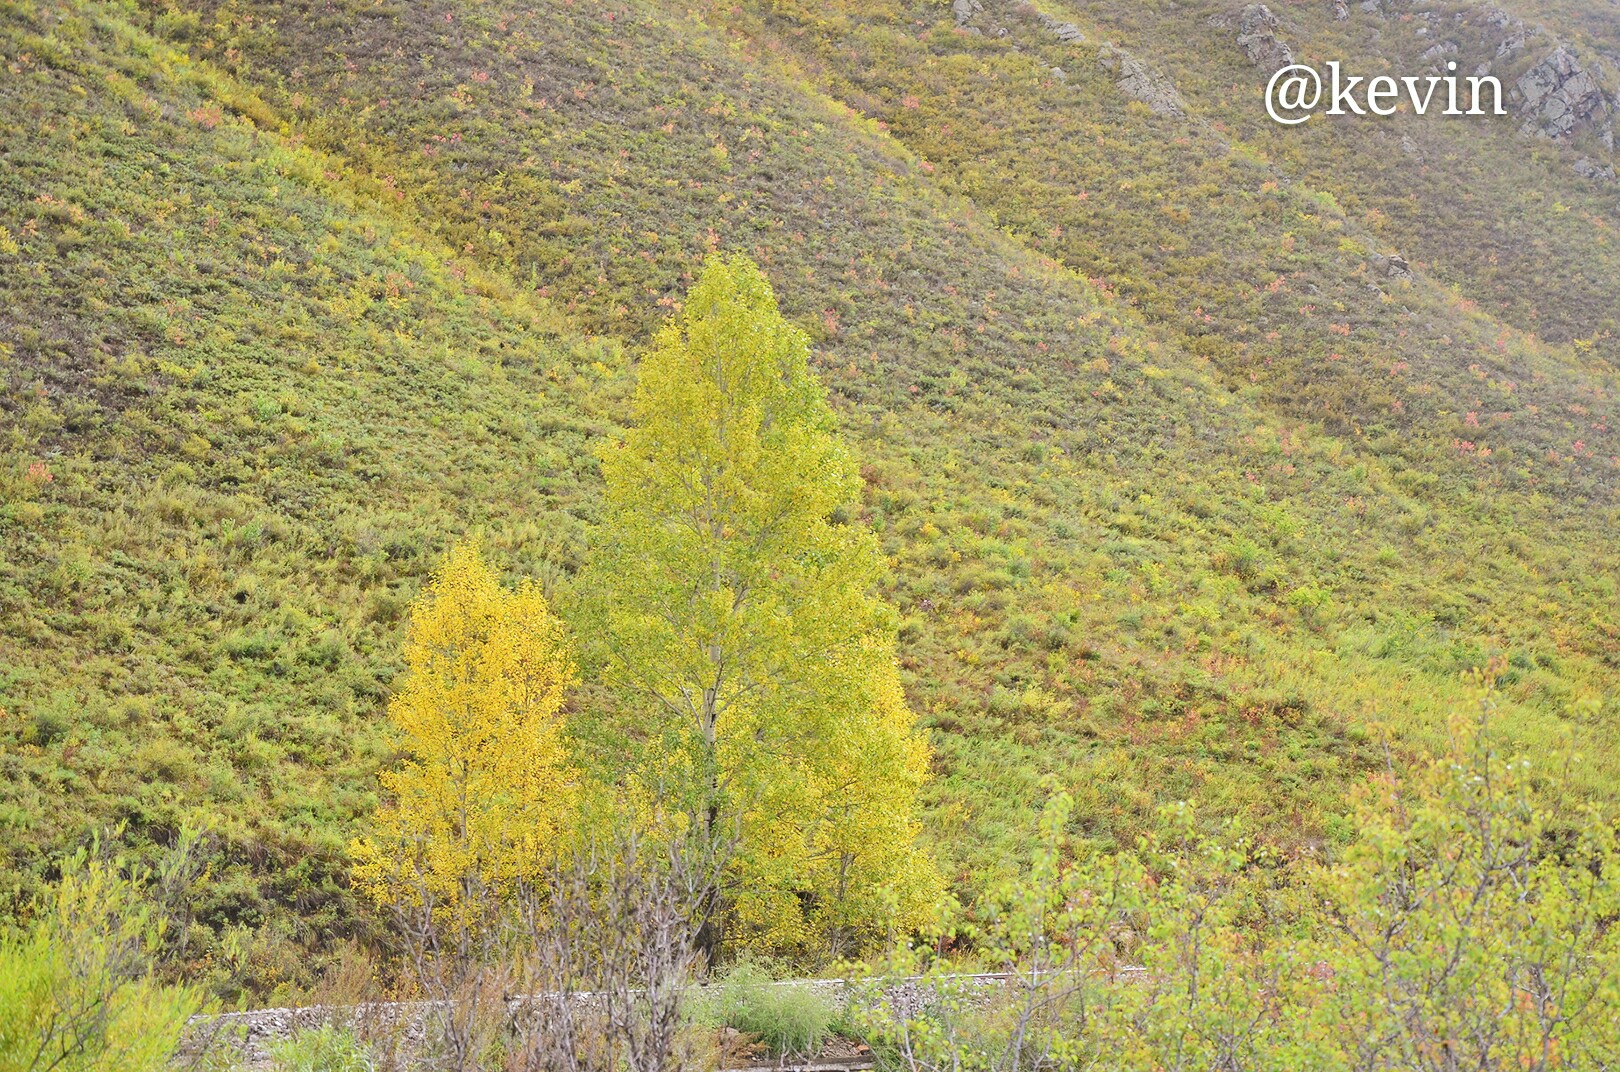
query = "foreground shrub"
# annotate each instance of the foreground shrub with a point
(325, 1049)
(1471, 925)
(76, 991)
(789, 1019)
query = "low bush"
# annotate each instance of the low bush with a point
(325, 1049)
(76, 987)
(1469, 925)
(788, 1019)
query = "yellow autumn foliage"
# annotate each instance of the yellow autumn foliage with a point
(486, 788)
(831, 865)
(735, 602)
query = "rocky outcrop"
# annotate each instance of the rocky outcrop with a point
(1385, 9)
(1560, 98)
(1139, 83)
(967, 12)
(1591, 169)
(964, 10)
(1067, 32)
(1257, 37)
(1511, 34)
(1438, 54)
(1393, 266)
(1341, 10)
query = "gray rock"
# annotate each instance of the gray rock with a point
(1257, 37)
(1139, 83)
(1591, 169)
(1067, 32)
(1510, 34)
(1394, 266)
(964, 10)
(1560, 98)
(1341, 11)
(1436, 53)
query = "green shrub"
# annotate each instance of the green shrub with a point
(76, 991)
(1468, 924)
(53, 720)
(789, 1019)
(325, 1049)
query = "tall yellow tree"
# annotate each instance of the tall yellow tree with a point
(736, 597)
(486, 786)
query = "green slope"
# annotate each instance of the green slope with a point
(292, 313)
(255, 408)
(1255, 246)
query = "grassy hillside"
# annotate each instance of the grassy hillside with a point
(1256, 246)
(244, 410)
(1184, 497)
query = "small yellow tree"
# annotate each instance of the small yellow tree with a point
(486, 786)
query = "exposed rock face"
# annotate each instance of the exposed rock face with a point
(1139, 83)
(1257, 37)
(1387, 8)
(1511, 33)
(1591, 169)
(1562, 98)
(1437, 54)
(1393, 266)
(1067, 32)
(1341, 11)
(967, 11)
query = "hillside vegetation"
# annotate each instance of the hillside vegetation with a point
(1184, 493)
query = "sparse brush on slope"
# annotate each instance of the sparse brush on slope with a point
(244, 413)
